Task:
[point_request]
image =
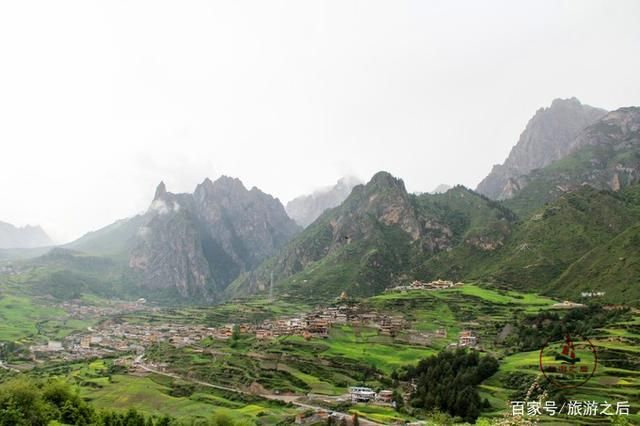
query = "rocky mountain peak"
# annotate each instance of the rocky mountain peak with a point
(223, 187)
(568, 103)
(161, 191)
(196, 244)
(228, 183)
(626, 120)
(604, 155)
(386, 179)
(546, 138)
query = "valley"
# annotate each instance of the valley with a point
(256, 360)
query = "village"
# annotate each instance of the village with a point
(420, 285)
(114, 336)
(82, 311)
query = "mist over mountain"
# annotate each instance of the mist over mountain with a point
(548, 136)
(442, 188)
(306, 208)
(22, 237)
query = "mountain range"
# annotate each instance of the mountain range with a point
(559, 217)
(377, 238)
(568, 204)
(193, 245)
(22, 237)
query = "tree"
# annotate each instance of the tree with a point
(447, 382)
(235, 336)
(398, 399)
(222, 419)
(133, 418)
(21, 399)
(28, 402)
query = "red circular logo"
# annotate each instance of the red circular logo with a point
(569, 363)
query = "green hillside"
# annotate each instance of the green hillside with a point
(114, 240)
(379, 237)
(67, 274)
(613, 267)
(542, 247)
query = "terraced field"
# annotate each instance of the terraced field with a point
(616, 379)
(351, 355)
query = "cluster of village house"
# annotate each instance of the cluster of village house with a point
(8, 270)
(592, 294)
(113, 336)
(79, 310)
(317, 323)
(566, 304)
(421, 285)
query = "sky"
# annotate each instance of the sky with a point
(100, 101)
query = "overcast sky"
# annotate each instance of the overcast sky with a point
(99, 101)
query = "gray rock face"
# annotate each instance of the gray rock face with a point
(196, 244)
(620, 127)
(307, 208)
(605, 156)
(25, 237)
(549, 136)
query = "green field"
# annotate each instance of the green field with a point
(23, 320)
(158, 395)
(610, 382)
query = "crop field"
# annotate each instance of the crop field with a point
(243, 311)
(616, 379)
(24, 320)
(366, 346)
(159, 395)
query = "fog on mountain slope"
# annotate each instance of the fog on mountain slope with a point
(306, 208)
(24, 237)
(440, 189)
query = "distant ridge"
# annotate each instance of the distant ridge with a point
(23, 237)
(306, 208)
